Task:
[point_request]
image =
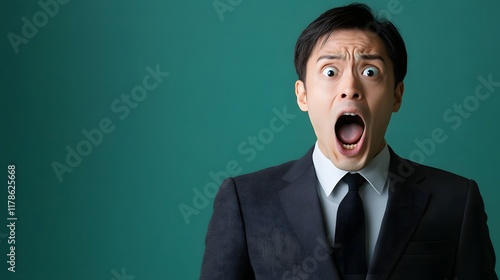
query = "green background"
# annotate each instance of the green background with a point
(119, 207)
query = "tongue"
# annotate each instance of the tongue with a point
(350, 133)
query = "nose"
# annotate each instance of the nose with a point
(353, 95)
(351, 88)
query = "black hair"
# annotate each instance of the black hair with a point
(353, 16)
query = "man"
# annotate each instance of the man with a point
(308, 219)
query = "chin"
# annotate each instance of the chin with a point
(350, 163)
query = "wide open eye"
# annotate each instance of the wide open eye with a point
(371, 71)
(330, 71)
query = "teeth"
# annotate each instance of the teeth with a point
(349, 146)
(349, 114)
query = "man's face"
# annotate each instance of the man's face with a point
(349, 95)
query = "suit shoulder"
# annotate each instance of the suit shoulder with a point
(266, 175)
(443, 181)
(441, 174)
(407, 168)
(268, 182)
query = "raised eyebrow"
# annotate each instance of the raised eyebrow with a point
(372, 57)
(330, 57)
(362, 56)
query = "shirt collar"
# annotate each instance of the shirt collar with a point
(329, 175)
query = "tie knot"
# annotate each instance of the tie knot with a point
(354, 181)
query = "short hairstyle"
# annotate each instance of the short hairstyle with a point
(353, 16)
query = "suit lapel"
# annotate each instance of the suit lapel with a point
(302, 206)
(405, 207)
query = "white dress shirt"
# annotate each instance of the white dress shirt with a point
(374, 193)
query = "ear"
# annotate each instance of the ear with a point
(300, 92)
(398, 96)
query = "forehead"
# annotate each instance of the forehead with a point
(350, 41)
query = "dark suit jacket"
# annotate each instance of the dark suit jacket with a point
(269, 225)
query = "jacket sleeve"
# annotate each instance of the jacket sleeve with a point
(226, 254)
(475, 253)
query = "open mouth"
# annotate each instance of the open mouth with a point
(349, 130)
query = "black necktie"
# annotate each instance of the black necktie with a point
(350, 235)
